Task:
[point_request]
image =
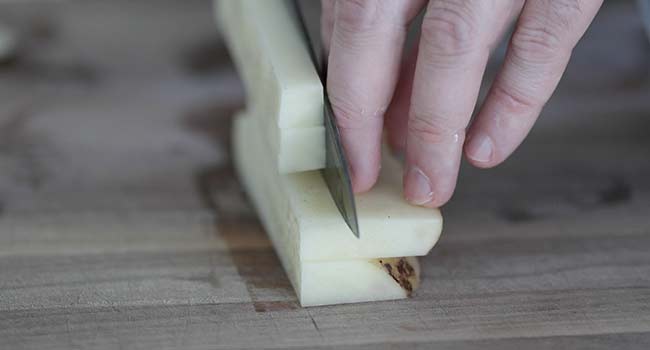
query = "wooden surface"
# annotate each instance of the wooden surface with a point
(122, 226)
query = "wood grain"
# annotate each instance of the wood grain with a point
(122, 224)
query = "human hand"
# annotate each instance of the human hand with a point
(426, 100)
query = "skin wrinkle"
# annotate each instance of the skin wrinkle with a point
(454, 22)
(349, 119)
(356, 42)
(368, 15)
(514, 101)
(429, 112)
(349, 101)
(431, 133)
(538, 43)
(363, 70)
(565, 12)
(357, 15)
(531, 76)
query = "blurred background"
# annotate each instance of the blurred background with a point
(92, 87)
(109, 97)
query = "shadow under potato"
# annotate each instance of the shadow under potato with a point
(236, 221)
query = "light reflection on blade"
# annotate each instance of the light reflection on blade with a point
(335, 173)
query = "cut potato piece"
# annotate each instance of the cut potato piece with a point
(325, 262)
(300, 149)
(351, 281)
(285, 94)
(389, 226)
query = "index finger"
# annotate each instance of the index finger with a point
(364, 57)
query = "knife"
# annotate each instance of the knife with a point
(335, 173)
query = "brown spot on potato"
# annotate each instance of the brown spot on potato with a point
(402, 272)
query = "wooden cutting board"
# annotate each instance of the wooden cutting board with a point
(122, 224)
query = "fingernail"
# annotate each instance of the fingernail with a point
(418, 189)
(480, 148)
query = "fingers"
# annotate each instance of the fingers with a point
(398, 111)
(327, 23)
(365, 52)
(538, 53)
(454, 48)
(397, 114)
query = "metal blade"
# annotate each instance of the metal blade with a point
(336, 174)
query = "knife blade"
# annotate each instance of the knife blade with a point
(335, 173)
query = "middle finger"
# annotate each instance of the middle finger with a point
(453, 51)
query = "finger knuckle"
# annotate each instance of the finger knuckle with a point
(564, 12)
(356, 15)
(547, 34)
(432, 130)
(349, 116)
(449, 28)
(515, 102)
(536, 41)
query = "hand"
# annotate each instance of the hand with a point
(426, 100)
